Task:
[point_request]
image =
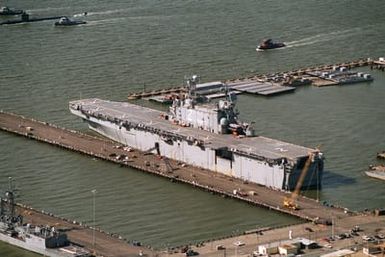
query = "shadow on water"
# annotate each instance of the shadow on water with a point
(332, 179)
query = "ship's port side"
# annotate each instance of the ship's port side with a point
(261, 160)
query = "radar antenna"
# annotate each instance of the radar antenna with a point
(191, 85)
(229, 94)
(7, 207)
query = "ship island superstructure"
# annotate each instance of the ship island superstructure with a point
(203, 134)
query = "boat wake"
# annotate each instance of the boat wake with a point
(105, 21)
(100, 13)
(80, 15)
(48, 9)
(323, 37)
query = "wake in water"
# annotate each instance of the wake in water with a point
(100, 13)
(47, 9)
(323, 37)
(105, 21)
(81, 14)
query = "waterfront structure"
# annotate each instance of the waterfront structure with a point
(44, 239)
(206, 135)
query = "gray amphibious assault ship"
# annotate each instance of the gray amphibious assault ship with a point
(206, 135)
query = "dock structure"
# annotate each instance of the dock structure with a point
(105, 244)
(207, 180)
(260, 88)
(280, 82)
(25, 19)
(144, 94)
(108, 245)
(378, 64)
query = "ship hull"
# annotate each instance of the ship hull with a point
(278, 176)
(30, 247)
(376, 175)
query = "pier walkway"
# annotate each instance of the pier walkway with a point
(252, 193)
(369, 225)
(259, 88)
(105, 244)
(217, 183)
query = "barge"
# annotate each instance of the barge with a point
(205, 135)
(5, 10)
(26, 19)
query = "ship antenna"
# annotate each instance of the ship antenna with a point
(226, 90)
(10, 183)
(11, 198)
(230, 95)
(191, 85)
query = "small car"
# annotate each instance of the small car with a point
(239, 243)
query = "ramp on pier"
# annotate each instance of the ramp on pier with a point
(259, 88)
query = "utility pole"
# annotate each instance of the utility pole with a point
(93, 216)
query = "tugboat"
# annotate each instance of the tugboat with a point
(269, 44)
(7, 11)
(65, 21)
(376, 172)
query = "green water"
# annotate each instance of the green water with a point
(127, 44)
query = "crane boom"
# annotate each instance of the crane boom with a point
(290, 202)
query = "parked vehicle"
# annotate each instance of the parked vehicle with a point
(191, 252)
(239, 243)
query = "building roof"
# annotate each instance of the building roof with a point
(306, 241)
(339, 253)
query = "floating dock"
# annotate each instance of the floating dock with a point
(338, 76)
(378, 64)
(147, 94)
(25, 19)
(260, 88)
(281, 82)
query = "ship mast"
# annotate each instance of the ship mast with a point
(7, 212)
(191, 86)
(10, 196)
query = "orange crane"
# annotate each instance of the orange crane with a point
(290, 202)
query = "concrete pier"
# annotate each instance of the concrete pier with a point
(247, 243)
(107, 245)
(207, 180)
